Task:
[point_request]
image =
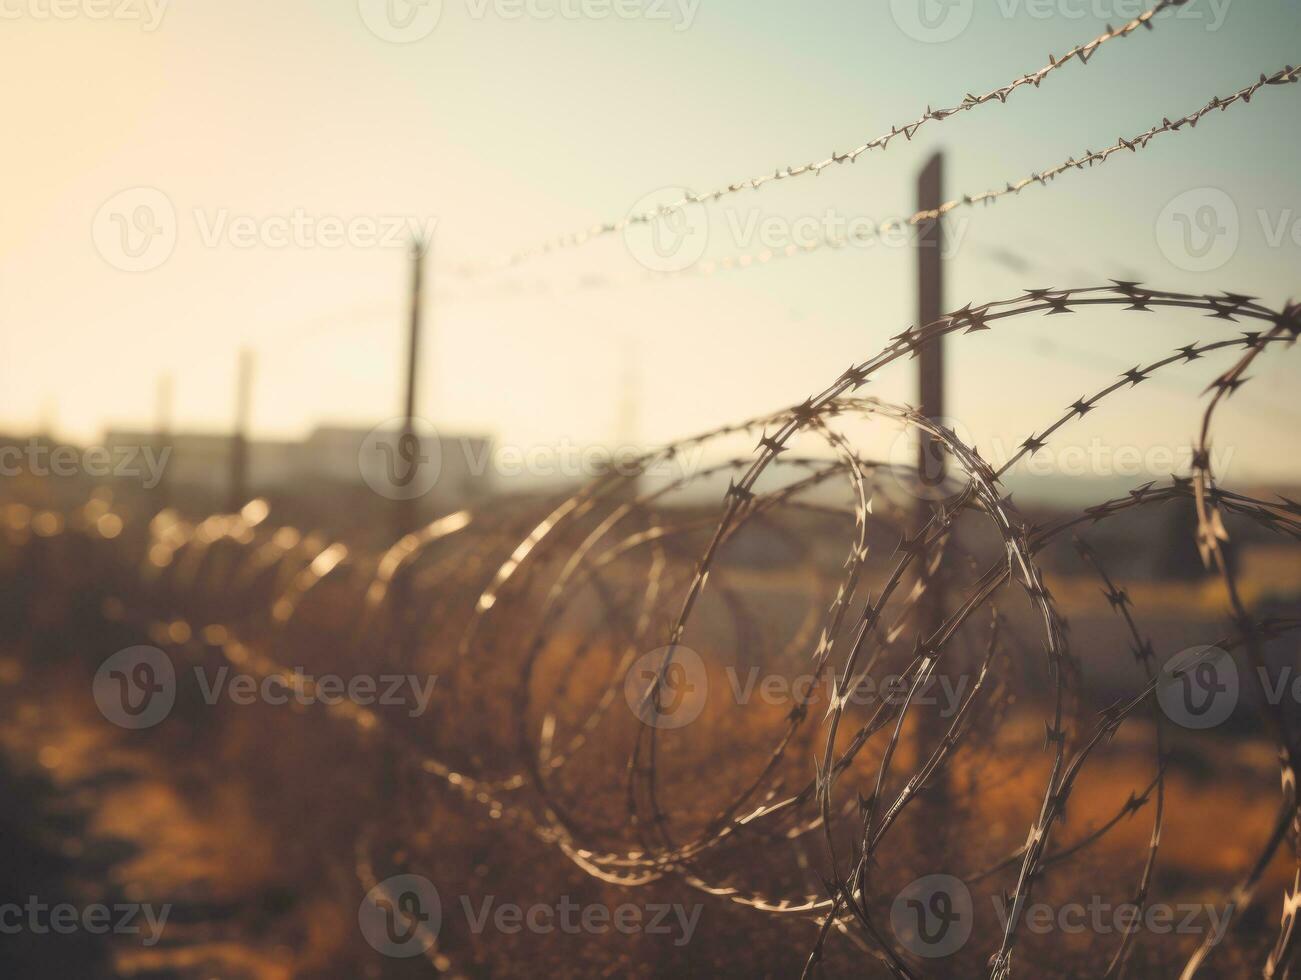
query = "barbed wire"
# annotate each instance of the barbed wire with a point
(498, 606)
(1081, 53)
(862, 237)
(1090, 158)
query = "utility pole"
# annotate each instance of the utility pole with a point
(931, 462)
(930, 307)
(406, 512)
(239, 441)
(163, 434)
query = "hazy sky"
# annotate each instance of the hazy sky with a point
(509, 130)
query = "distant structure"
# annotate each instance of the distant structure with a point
(237, 487)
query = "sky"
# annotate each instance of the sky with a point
(182, 180)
